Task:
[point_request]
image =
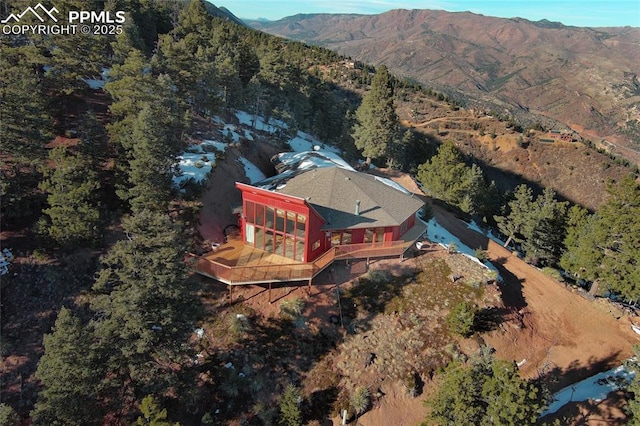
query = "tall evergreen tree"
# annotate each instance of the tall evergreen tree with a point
(377, 127)
(152, 161)
(73, 212)
(606, 249)
(70, 371)
(24, 117)
(485, 392)
(447, 177)
(538, 225)
(144, 307)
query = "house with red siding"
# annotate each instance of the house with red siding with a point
(296, 223)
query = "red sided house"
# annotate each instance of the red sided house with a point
(295, 224)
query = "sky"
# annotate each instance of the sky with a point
(581, 13)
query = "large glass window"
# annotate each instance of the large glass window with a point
(275, 230)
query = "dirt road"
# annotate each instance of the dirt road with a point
(558, 330)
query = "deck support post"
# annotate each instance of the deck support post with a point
(270, 302)
(309, 288)
(230, 294)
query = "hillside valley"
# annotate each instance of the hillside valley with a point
(584, 79)
(154, 269)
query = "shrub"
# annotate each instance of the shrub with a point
(461, 318)
(290, 413)
(291, 309)
(480, 254)
(360, 400)
(553, 273)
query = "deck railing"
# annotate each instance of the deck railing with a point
(236, 275)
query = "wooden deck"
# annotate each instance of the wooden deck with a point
(234, 263)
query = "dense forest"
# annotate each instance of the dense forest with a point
(86, 171)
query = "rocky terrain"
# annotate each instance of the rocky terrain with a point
(584, 79)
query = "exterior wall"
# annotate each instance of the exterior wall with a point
(277, 223)
(316, 240)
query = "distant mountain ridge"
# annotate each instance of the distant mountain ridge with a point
(586, 78)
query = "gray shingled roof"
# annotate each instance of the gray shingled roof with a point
(333, 192)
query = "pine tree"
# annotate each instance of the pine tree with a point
(143, 306)
(605, 248)
(514, 223)
(443, 176)
(485, 392)
(73, 212)
(290, 413)
(152, 413)
(26, 123)
(70, 371)
(152, 161)
(377, 126)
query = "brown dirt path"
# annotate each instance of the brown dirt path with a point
(560, 330)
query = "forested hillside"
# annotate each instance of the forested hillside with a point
(99, 306)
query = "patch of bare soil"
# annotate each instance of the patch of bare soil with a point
(550, 329)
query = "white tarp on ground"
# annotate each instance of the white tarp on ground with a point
(595, 387)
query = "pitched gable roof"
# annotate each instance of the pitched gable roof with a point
(334, 191)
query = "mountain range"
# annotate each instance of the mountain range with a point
(583, 79)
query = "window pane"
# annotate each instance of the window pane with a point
(259, 214)
(288, 251)
(291, 222)
(268, 241)
(268, 220)
(260, 238)
(300, 225)
(346, 237)
(249, 212)
(299, 250)
(379, 235)
(280, 220)
(368, 235)
(335, 238)
(279, 249)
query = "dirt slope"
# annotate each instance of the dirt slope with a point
(559, 329)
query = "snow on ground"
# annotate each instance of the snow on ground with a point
(259, 123)
(595, 387)
(197, 161)
(196, 166)
(6, 257)
(437, 234)
(97, 83)
(487, 233)
(230, 129)
(253, 173)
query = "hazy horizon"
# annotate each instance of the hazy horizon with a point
(585, 13)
